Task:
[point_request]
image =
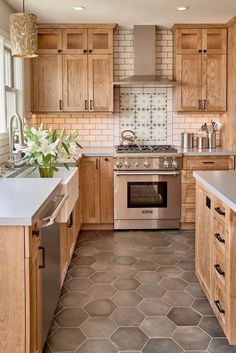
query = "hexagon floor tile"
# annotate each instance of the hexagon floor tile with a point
(134, 292)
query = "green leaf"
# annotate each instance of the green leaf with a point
(66, 166)
(66, 148)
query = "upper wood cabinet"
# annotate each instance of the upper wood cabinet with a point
(100, 41)
(200, 69)
(47, 83)
(74, 71)
(100, 74)
(197, 41)
(50, 41)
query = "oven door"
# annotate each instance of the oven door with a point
(140, 195)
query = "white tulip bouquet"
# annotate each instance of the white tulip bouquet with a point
(46, 147)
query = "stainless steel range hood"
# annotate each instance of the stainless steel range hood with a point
(145, 59)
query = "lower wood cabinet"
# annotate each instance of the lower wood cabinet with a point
(188, 182)
(97, 192)
(216, 257)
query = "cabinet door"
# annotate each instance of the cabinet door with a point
(214, 82)
(75, 41)
(100, 41)
(188, 76)
(203, 237)
(214, 41)
(34, 295)
(47, 83)
(75, 83)
(106, 184)
(100, 78)
(91, 190)
(50, 41)
(188, 41)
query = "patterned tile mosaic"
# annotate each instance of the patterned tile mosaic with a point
(146, 113)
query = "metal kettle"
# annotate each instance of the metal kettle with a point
(128, 138)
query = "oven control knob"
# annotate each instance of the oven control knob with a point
(136, 164)
(146, 164)
(127, 164)
(119, 164)
(174, 163)
(166, 163)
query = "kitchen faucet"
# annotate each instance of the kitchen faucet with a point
(12, 163)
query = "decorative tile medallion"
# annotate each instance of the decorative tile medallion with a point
(145, 114)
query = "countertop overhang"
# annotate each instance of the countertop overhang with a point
(221, 183)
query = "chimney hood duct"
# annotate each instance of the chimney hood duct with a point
(145, 59)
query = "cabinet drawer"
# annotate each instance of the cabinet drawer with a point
(188, 212)
(221, 213)
(219, 271)
(207, 163)
(187, 177)
(220, 236)
(188, 193)
(219, 305)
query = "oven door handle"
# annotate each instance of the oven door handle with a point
(167, 172)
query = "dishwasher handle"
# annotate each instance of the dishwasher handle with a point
(48, 221)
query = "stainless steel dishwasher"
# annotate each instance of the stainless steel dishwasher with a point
(49, 252)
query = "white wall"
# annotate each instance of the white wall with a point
(5, 11)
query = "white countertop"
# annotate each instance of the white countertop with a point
(22, 199)
(221, 183)
(218, 151)
(98, 151)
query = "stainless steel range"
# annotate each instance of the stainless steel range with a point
(147, 187)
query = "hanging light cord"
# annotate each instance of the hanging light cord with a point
(23, 5)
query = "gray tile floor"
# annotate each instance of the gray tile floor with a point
(134, 292)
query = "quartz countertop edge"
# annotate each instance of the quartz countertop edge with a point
(22, 199)
(218, 151)
(98, 151)
(221, 184)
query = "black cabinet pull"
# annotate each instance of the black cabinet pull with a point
(219, 211)
(91, 104)
(199, 104)
(218, 270)
(218, 237)
(43, 256)
(208, 202)
(36, 233)
(199, 50)
(204, 104)
(59, 50)
(70, 223)
(90, 50)
(60, 104)
(204, 51)
(208, 162)
(86, 104)
(85, 50)
(219, 307)
(97, 163)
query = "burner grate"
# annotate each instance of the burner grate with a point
(146, 149)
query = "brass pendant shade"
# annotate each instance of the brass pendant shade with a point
(24, 35)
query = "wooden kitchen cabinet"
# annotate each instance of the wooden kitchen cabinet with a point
(47, 83)
(203, 239)
(216, 257)
(200, 69)
(74, 71)
(97, 192)
(188, 182)
(49, 41)
(100, 79)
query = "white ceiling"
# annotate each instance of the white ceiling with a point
(129, 12)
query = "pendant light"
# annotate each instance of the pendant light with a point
(24, 34)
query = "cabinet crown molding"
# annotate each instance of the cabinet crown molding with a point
(77, 25)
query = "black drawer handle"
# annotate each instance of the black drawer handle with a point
(218, 237)
(219, 211)
(218, 270)
(208, 162)
(219, 307)
(43, 256)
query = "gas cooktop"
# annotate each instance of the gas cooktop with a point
(146, 149)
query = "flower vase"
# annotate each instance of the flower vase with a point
(46, 172)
